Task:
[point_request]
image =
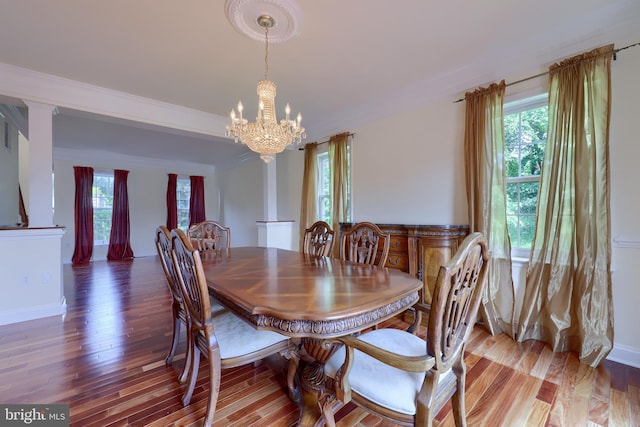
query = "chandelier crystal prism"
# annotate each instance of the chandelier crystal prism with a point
(266, 136)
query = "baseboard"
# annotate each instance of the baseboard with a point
(626, 355)
(33, 313)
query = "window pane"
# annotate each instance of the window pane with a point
(324, 189)
(183, 194)
(102, 199)
(525, 138)
(512, 198)
(527, 229)
(528, 197)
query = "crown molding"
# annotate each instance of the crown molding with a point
(29, 85)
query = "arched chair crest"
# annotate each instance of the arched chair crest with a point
(318, 239)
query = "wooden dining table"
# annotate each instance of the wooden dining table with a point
(310, 298)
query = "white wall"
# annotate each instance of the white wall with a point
(625, 203)
(241, 200)
(147, 190)
(290, 170)
(408, 168)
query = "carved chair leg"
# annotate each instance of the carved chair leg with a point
(215, 371)
(457, 401)
(187, 358)
(174, 340)
(425, 404)
(193, 375)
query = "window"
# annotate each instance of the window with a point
(183, 194)
(102, 198)
(525, 133)
(324, 187)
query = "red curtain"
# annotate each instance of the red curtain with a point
(83, 215)
(119, 247)
(196, 201)
(172, 204)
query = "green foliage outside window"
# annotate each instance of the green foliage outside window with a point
(525, 136)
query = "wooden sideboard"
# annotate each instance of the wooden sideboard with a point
(420, 250)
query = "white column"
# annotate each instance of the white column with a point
(270, 191)
(40, 163)
(272, 232)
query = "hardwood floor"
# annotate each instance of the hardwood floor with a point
(106, 359)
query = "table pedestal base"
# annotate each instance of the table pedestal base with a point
(315, 399)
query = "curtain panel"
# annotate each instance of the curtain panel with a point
(339, 177)
(308, 207)
(196, 201)
(172, 202)
(119, 246)
(567, 300)
(486, 199)
(83, 215)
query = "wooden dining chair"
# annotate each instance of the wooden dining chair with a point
(209, 235)
(223, 338)
(365, 243)
(318, 239)
(178, 309)
(401, 377)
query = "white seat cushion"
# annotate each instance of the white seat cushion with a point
(385, 385)
(236, 337)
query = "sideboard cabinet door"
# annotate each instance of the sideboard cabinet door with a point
(432, 247)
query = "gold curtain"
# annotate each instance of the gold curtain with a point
(308, 208)
(567, 299)
(339, 175)
(485, 181)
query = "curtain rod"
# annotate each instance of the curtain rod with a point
(615, 51)
(323, 142)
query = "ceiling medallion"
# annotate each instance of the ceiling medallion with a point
(243, 13)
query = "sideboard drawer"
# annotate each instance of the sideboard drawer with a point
(398, 261)
(398, 244)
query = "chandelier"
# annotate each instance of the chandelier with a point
(266, 136)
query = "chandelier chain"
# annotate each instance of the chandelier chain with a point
(266, 51)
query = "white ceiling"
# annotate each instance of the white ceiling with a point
(354, 60)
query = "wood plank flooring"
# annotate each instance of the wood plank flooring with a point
(105, 358)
